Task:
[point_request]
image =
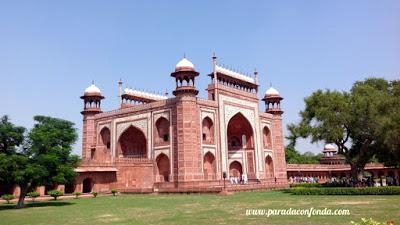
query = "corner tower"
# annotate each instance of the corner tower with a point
(185, 75)
(187, 156)
(272, 101)
(92, 105)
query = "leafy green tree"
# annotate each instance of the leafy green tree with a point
(11, 158)
(352, 120)
(389, 128)
(45, 157)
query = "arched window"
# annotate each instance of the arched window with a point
(208, 130)
(132, 143)
(162, 131)
(105, 137)
(267, 138)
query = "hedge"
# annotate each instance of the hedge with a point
(306, 185)
(345, 191)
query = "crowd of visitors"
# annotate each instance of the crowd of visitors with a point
(348, 181)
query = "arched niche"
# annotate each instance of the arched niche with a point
(163, 167)
(161, 134)
(267, 140)
(105, 137)
(269, 167)
(207, 130)
(209, 166)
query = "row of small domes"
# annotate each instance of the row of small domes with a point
(183, 64)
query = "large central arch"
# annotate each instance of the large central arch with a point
(132, 143)
(240, 133)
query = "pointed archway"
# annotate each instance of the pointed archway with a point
(240, 133)
(163, 168)
(269, 167)
(267, 138)
(235, 169)
(105, 137)
(162, 131)
(132, 143)
(208, 130)
(241, 138)
(209, 166)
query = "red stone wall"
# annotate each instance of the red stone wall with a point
(278, 149)
(88, 135)
(188, 160)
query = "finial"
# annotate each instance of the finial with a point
(92, 81)
(270, 84)
(256, 75)
(184, 55)
(166, 92)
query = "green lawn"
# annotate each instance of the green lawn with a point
(200, 209)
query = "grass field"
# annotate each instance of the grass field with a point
(200, 209)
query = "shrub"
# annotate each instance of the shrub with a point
(7, 197)
(94, 194)
(77, 194)
(114, 192)
(55, 194)
(370, 221)
(345, 191)
(33, 195)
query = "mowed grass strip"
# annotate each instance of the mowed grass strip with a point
(200, 209)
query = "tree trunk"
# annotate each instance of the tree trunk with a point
(357, 173)
(23, 192)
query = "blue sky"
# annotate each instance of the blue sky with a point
(50, 51)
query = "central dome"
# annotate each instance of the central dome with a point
(184, 64)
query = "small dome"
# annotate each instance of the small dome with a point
(92, 90)
(271, 92)
(329, 147)
(184, 64)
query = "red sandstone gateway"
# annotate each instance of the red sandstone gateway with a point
(153, 143)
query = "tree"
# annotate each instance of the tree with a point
(390, 129)
(294, 157)
(11, 139)
(45, 157)
(352, 120)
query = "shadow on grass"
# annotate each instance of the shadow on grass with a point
(36, 204)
